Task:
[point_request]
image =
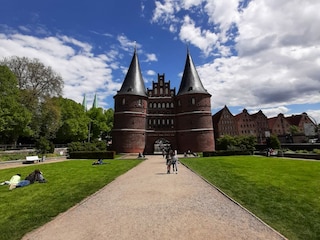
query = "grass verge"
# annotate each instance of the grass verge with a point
(69, 182)
(284, 193)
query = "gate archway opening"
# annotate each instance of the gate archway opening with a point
(160, 145)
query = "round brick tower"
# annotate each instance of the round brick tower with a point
(130, 110)
(194, 125)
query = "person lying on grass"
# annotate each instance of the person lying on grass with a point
(15, 181)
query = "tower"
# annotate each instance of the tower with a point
(130, 110)
(194, 128)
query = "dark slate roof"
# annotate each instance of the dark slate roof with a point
(133, 83)
(190, 82)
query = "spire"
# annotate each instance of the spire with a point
(84, 103)
(133, 83)
(190, 82)
(95, 102)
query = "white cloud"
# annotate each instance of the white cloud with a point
(276, 62)
(151, 73)
(204, 39)
(127, 44)
(151, 57)
(165, 12)
(82, 70)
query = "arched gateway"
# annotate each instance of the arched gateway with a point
(161, 144)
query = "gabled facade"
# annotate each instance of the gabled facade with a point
(262, 127)
(148, 120)
(224, 123)
(279, 125)
(245, 123)
(304, 123)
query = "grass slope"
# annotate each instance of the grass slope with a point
(69, 182)
(282, 192)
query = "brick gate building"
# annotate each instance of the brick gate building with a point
(147, 120)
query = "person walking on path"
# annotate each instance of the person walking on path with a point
(174, 161)
(169, 156)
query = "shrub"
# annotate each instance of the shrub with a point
(87, 146)
(44, 146)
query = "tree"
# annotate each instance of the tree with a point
(294, 129)
(14, 117)
(242, 143)
(34, 76)
(74, 122)
(37, 83)
(226, 142)
(50, 118)
(274, 142)
(101, 123)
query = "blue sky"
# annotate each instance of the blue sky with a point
(258, 54)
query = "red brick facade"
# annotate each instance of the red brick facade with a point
(149, 120)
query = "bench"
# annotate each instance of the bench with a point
(31, 159)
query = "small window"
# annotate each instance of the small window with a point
(123, 101)
(193, 101)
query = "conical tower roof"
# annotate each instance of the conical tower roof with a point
(95, 102)
(190, 82)
(84, 103)
(133, 83)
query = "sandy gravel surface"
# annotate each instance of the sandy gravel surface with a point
(147, 203)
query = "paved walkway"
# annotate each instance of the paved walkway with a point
(147, 203)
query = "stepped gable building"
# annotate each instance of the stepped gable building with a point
(304, 123)
(262, 127)
(224, 123)
(279, 125)
(149, 120)
(245, 123)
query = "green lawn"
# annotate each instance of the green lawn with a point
(27, 208)
(284, 193)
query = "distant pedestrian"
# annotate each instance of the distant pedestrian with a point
(169, 160)
(174, 161)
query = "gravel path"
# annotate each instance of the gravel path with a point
(147, 203)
